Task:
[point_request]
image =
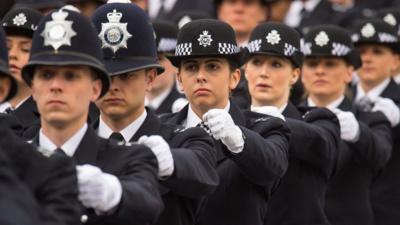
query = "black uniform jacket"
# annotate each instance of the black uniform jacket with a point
(195, 174)
(50, 178)
(136, 168)
(27, 113)
(385, 191)
(247, 179)
(312, 156)
(348, 200)
(17, 204)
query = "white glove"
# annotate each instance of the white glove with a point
(349, 126)
(389, 109)
(268, 110)
(98, 190)
(223, 128)
(178, 104)
(161, 149)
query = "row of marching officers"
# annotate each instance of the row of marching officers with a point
(212, 162)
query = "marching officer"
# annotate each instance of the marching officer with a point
(38, 175)
(66, 73)
(19, 25)
(163, 96)
(379, 48)
(187, 158)
(43, 6)
(251, 148)
(365, 145)
(273, 68)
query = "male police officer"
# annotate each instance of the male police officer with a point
(187, 161)
(251, 148)
(66, 73)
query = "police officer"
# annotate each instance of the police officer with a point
(378, 45)
(392, 17)
(66, 73)
(186, 158)
(251, 148)
(273, 68)
(19, 25)
(365, 136)
(163, 96)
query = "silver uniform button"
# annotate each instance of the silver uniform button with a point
(84, 218)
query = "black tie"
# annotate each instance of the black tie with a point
(9, 110)
(162, 13)
(117, 137)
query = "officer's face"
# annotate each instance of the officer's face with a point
(270, 79)
(207, 82)
(242, 15)
(18, 55)
(378, 63)
(326, 77)
(63, 93)
(5, 86)
(125, 98)
(166, 79)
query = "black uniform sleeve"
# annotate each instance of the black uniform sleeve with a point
(141, 202)
(194, 157)
(375, 142)
(265, 154)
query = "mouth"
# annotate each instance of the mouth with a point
(319, 82)
(14, 68)
(263, 86)
(55, 102)
(113, 100)
(202, 91)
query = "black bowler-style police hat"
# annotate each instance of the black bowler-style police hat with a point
(4, 65)
(330, 40)
(83, 1)
(21, 21)
(218, 2)
(166, 33)
(65, 38)
(208, 38)
(128, 39)
(276, 39)
(376, 31)
(38, 4)
(391, 16)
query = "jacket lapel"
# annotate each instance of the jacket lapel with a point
(88, 149)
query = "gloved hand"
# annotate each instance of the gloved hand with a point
(179, 104)
(223, 128)
(268, 110)
(389, 109)
(98, 190)
(349, 126)
(161, 149)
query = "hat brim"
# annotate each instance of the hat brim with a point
(353, 58)
(120, 66)
(394, 46)
(239, 58)
(61, 59)
(297, 60)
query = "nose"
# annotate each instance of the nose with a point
(319, 69)
(201, 76)
(12, 53)
(114, 86)
(56, 83)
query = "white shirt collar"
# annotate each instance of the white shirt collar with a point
(156, 102)
(281, 109)
(374, 92)
(22, 102)
(293, 17)
(4, 106)
(397, 79)
(192, 119)
(105, 131)
(155, 5)
(69, 147)
(333, 105)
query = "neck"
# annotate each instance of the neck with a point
(59, 134)
(118, 123)
(154, 93)
(367, 86)
(201, 110)
(279, 103)
(22, 94)
(324, 100)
